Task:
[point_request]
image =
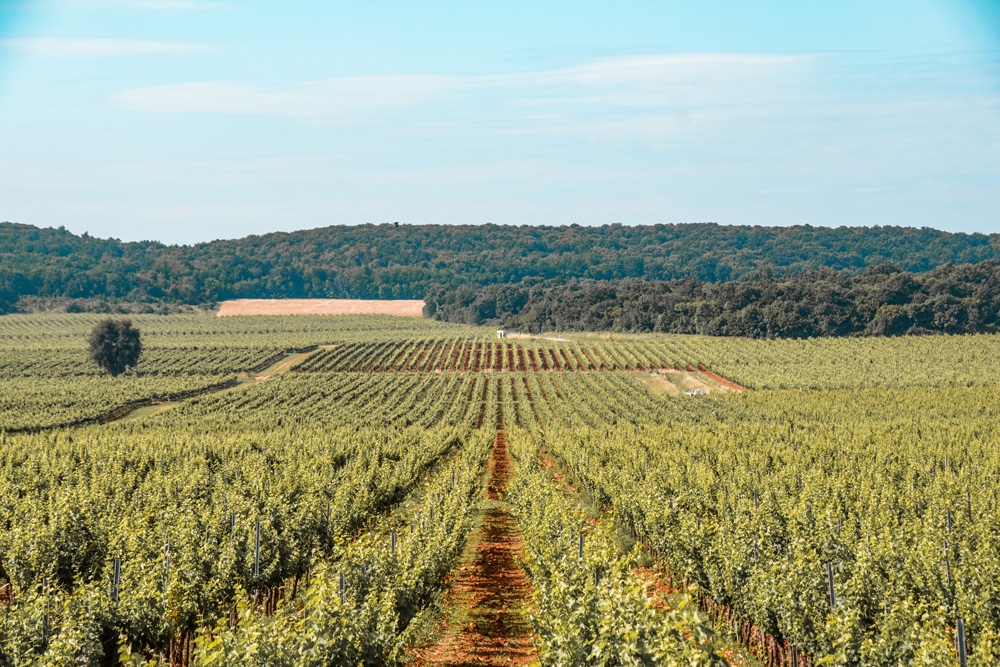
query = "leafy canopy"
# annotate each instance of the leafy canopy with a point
(115, 345)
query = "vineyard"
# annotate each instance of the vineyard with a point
(349, 490)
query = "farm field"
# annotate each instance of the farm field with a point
(401, 307)
(377, 490)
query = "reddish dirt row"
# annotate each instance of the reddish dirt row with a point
(658, 590)
(718, 378)
(482, 406)
(488, 595)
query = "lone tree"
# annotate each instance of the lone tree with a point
(115, 345)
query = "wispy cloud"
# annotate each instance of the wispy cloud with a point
(54, 47)
(634, 81)
(141, 5)
(172, 5)
(341, 99)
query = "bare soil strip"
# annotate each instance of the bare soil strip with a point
(282, 365)
(658, 384)
(720, 379)
(406, 308)
(484, 621)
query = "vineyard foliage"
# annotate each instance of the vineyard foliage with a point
(312, 517)
(29, 403)
(592, 608)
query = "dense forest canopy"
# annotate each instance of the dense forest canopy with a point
(411, 261)
(689, 278)
(881, 301)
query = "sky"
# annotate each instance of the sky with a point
(190, 120)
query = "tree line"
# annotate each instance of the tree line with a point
(883, 300)
(413, 261)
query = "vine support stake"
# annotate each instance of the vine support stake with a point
(833, 595)
(256, 551)
(45, 619)
(962, 658)
(117, 580)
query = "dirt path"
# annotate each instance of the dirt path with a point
(484, 621)
(720, 379)
(280, 366)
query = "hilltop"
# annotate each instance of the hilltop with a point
(408, 261)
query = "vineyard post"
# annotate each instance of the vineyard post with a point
(580, 555)
(45, 618)
(833, 595)
(342, 586)
(256, 551)
(962, 658)
(393, 543)
(117, 580)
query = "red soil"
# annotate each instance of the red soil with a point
(721, 380)
(492, 590)
(555, 360)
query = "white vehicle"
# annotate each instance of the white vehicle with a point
(696, 392)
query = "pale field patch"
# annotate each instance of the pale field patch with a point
(401, 307)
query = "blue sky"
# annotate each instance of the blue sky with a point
(190, 120)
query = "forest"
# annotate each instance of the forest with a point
(881, 301)
(413, 261)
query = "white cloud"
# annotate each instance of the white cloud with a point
(671, 67)
(142, 5)
(634, 81)
(171, 5)
(55, 47)
(341, 99)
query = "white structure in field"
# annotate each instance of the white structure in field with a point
(500, 333)
(696, 392)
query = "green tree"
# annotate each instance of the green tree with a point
(115, 345)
